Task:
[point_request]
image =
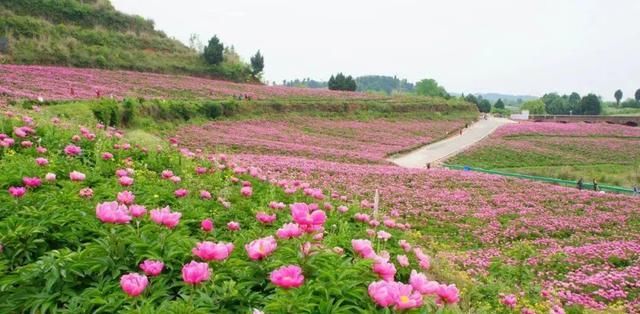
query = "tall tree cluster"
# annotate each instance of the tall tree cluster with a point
(342, 82)
(572, 104)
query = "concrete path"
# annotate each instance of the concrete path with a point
(439, 151)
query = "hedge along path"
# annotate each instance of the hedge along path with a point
(446, 148)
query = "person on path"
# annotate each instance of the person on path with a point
(635, 191)
(595, 185)
(580, 184)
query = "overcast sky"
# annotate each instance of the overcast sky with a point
(518, 47)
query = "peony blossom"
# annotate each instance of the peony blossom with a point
(233, 226)
(137, 210)
(404, 245)
(33, 182)
(151, 267)
(210, 251)
(76, 176)
(265, 218)
(205, 195)
(309, 219)
(125, 197)
(287, 277)
(181, 193)
(385, 270)
(403, 260)
(166, 174)
(112, 212)
(86, 193)
(407, 298)
(288, 231)
(448, 294)
(166, 217)
(195, 273)
(72, 150)
(246, 191)
(125, 181)
(107, 156)
(383, 235)
(133, 284)
(17, 191)
(206, 225)
(363, 248)
(509, 300)
(50, 177)
(383, 293)
(423, 285)
(261, 248)
(42, 161)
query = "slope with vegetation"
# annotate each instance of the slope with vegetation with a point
(92, 34)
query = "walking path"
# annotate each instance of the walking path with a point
(451, 146)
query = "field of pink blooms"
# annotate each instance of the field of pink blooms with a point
(524, 247)
(606, 152)
(349, 140)
(60, 83)
(93, 224)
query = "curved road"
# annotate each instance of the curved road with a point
(451, 146)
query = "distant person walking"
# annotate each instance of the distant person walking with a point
(636, 192)
(580, 184)
(595, 185)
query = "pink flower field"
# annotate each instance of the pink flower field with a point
(317, 138)
(59, 83)
(546, 244)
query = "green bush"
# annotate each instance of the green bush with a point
(106, 112)
(212, 109)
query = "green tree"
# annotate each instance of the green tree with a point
(257, 63)
(484, 105)
(590, 105)
(637, 94)
(618, 96)
(429, 87)
(472, 99)
(499, 104)
(341, 82)
(214, 51)
(534, 106)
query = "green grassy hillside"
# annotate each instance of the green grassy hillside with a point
(92, 34)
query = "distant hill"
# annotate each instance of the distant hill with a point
(508, 99)
(93, 34)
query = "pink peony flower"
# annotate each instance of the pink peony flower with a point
(556, 309)
(151, 267)
(166, 174)
(343, 209)
(201, 170)
(41, 150)
(385, 270)
(383, 293)
(246, 191)
(303, 215)
(261, 248)
(423, 285)
(383, 235)
(403, 260)
(42, 161)
(210, 251)
(86, 193)
(26, 144)
(233, 226)
(166, 217)
(363, 248)
(137, 210)
(205, 195)
(175, 179)
(288, 231)
(287, 277)
(72, 150)
(207, 225)
(76, 176)
(448, 294)
(181, 193)
(112, 212)
(125, 181)
(33, 182)
(407, 298)
(195, 273)
(107, 156)
(50, 177)
(265, 218)
(122, 173)
(509, 300)
(17, 191)
(126, 197)
(404, 245)
(133, 284)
